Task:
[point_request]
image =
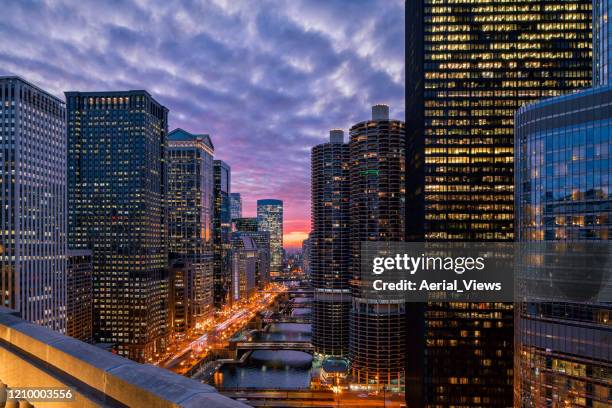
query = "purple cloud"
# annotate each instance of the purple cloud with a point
(266, 79)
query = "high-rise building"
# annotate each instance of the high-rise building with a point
(222, 229)
(79, 295)
(189, 200)
(270, 218)
(181, 295)
(564, 175)
(330, 245)
(602, 57)
(235, 205)
(33, 198)
(262, 242)
(306, 255)
(470, 66)
(377, 209)
(243, 266)
(246, 224)
(563, 179)
(116, 196)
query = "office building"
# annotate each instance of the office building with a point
(330, 248)
(116, 196)
(377, 207)
(33, 198)
(189, 201)
(470, 66)
(235, 206)
(563, 179)
(243, 266)
(262, 242)
(222, 225)
(246, 224)
(270, 218)
(306, 255)
(79, 295)
(181, 296)
(564, 174)
(602, 37)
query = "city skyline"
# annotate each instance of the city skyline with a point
(274, 87)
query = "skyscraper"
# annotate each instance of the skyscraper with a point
(33, 198)
(563, 180)
(377, 209)
(244, 266)
(222, 222)
(330, 246)
(602, 58)
(270, 218)
(564, 175)
(79, 295)
(470, 66)
(190, 209)
(116, 195)
(235, 206)
(246, 224)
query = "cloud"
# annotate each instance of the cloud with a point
(265, 79)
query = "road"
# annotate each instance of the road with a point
(186, 353)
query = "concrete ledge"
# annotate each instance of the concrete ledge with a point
(53, 358)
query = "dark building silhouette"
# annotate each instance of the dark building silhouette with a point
(470, 66)
(222, 229)
(79, 295)
(246, 224)
(116, 196)
(330, 251)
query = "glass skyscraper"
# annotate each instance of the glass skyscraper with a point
(563, 179)
(330, 246)
(116, 195)
(270, 218)
(470, 65)
(222, 229)
(235, 205)
(564, 175)
(602, 58)
(33, 197)
(190, 208)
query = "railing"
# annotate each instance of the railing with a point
(33, 356)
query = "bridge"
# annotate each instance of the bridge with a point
(275, 345)
(288, 319)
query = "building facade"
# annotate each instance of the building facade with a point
(470, 66)
(33, 197)
(246, 224)
(270, 218)
(262, 242)
(190, 209)
(602, 38)
(116, 194)
(377, 346)
(222, 226)
(79, 295)
(330, 246)
(563, 181)
(235, 205)
(244, 267)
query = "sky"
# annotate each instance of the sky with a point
(266, 79)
